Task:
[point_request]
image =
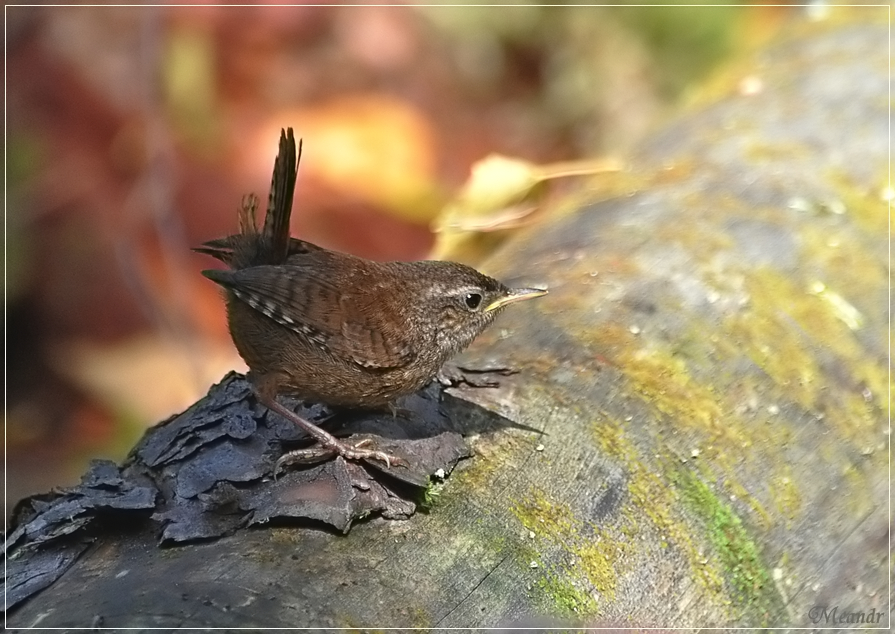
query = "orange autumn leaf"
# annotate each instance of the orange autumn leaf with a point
(375, 148)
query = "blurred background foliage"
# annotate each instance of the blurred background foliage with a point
(133, 132)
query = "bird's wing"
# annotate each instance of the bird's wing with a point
(374, 338)
(302, 299)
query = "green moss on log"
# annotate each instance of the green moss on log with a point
(750, 584)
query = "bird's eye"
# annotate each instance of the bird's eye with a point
(473, 300)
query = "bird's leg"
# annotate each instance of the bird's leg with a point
(327, 443)
(400, 412)
(319, 453)
(344, 416)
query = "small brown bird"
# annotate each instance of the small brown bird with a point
(338, 329)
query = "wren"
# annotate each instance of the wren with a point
(338, 329)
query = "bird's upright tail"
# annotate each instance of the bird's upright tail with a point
(272, 245)
(275, 234)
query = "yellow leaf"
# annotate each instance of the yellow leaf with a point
(148, 377)
(501, 194)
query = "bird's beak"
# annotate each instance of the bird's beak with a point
(515, 295)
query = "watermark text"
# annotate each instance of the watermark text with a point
(835, 615)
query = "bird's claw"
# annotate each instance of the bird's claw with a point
(302, 456)
(322, 451)
(356, 453)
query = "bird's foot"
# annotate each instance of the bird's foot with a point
(354, 452)
(324, 451)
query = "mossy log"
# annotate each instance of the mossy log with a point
(708, 375)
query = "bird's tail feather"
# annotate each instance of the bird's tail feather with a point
(275, 234)
(272, 245)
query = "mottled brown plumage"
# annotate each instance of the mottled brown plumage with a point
(339, 329)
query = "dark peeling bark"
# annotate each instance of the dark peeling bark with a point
(710, 376)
